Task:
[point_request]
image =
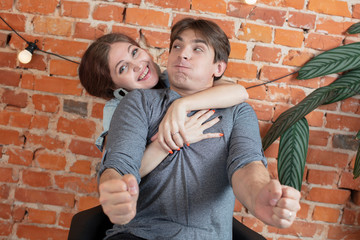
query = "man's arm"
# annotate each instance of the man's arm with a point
(266, 199)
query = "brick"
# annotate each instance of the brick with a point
(326, 214)
(238, 50)
(253, 224)
(52, 26)
(79, 127)
(88, 31)
(321, 177)
(50, 161)
(327, 158)
(349, 217)
(322, 42)
(108, 12)
(301, 20)
(156, 39)
(20, 156)
(238, 9)
(76, 107)
(279, 109)
(32, 232)
(315, 119)
(179, 5)
(5, 211)
(4, 117)
(53, 85)
(273, 151)
(330, 26)
(9, 137)
(238, 206)
(46, 103)
(12, 98)
(37, 6)
(289, 38)
(270, 73)
(4, 191)
(36, 179)
(75, 9)
(300, 229)
(6, 4)
(256, 33)
(17, 21)
(82, 167)
(341, 122)
(9, 78)
(296, 95)
(8, 59)
(63, 68)
(298, 4)
(333, 196)
(19, 119)
(268, 16)
(351, 105)
(256, 92)
(209, 6)
(88, 202)
(343, 232)
(331, 7)
(297, 58)
(241, 70)
(355, 197)
(7, 175)
(46, 141)
(356, 11)
(97, 110)
(5, 228)
(3, 39)
(37, 62)
(345, 142)
(55, 198)
(65, 219)
(40, 122)
(76, 184)
(65, 47)
(41, 216)
(131, 32)
(263, 110)
(84, 148)
(266, 54)
(19, 213)
(147, 17)
(347, 181)
(137, 2)
(318, 138)
(278, 94)
(304, 211)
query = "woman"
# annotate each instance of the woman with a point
(115, 64)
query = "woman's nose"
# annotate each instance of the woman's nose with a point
(137, 67)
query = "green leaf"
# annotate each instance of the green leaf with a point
(336, 60)
(358, 136)
(353, 29)
(356, 171)
(292, 154)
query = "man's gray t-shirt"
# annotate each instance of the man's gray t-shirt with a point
(189, 195)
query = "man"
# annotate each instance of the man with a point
(190, 195)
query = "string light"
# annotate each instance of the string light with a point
(26, 55)
(250, 1)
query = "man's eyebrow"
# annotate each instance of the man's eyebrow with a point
(123, 60)
(197, 40)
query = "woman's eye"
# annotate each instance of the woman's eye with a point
(122, 69)
(134, 52)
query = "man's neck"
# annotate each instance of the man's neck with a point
(187, 92)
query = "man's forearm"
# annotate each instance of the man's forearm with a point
(248, 181)
(109, 174)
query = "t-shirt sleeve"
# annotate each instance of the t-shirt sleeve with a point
(245, 142)
(127, 135)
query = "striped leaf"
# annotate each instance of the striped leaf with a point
(292, 154)
(356, 171)
(345, 86)
(353, 29)
(358, 136)
(336, 60)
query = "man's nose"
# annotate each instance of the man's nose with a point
(185, 54)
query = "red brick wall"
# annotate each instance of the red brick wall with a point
(48, 123)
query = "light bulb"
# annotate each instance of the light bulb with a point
(25, 56)
(250, 1)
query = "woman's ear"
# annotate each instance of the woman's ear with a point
(220, 67)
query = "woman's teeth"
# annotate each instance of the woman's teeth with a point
(144, 73)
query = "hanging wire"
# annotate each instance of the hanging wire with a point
(36, 47)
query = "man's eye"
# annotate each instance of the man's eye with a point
(122, 69)
(198, 49)
(176, 46)
(134, 52)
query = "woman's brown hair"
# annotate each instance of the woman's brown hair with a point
(94, 72)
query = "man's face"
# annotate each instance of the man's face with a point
(191, 64)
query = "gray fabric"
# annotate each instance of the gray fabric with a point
(189, 195)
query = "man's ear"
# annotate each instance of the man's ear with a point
(220, 67)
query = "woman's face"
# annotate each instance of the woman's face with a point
(131, 67)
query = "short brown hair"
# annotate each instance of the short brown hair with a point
(94, 71)
(213, 35)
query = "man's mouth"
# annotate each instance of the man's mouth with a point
(143, 75)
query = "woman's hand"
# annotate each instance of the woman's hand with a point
(176, 129)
